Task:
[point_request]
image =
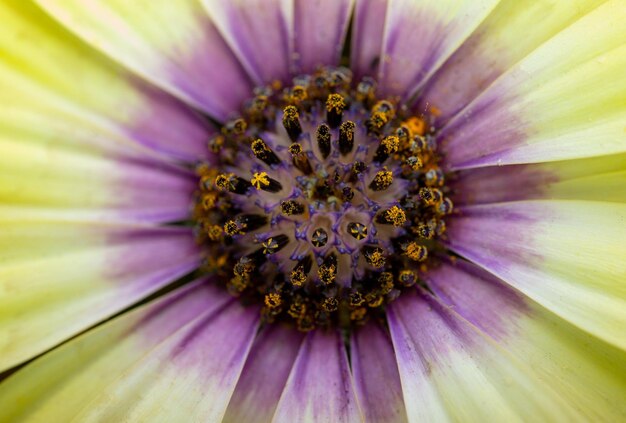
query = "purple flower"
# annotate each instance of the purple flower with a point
(324, 210)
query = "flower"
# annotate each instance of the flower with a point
(517, 108)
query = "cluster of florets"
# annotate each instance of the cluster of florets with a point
(326, 202)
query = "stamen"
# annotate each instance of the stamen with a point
(415, 252)
(394, 216)
(407, 278)
(327, 271)
(388, 146)
(298, 275)
(232, 183)
(263, 152)
(291, 207)
(382, 180)
(273, 300)
(335, 105)
(374, 256)
(346, 137)
(323, 139)
(300, 160)
(330, 304)
(291, 122)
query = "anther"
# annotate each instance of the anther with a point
(424, 230)
(273, 300)
(365, 91)
(327, 271)
(415, 251)
(403, 135)
(323, 139)
(262, 152)
(300, 160)
(245, 266)
(356, 299)
(330, 304)
(214, 232)
(291, 207)
(260, 180)
(407, 278)
(418, 144)
(319, 237)
(430, 196)
(374, 256)
(235, 127)
(382, 180)
(434, 177)
(291, 122)
(298, 275)
(347, 194)
(357, 230)
(335, 105)
(445, 207)
(385, 279)
(387, 147)
(414, 163)
(297, 95)
(232, 183)
(346, 137)
(394, 216)
(357, 169)
(274, 244)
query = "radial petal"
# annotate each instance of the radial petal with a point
(376, 377)
(320, 385)
(264, 376)
(57, 278)
(368, 27)
(420, 35)
(587, 373)
(37, 174)
(592, 179)
(176, 359)
(500, 41)
(260, 33)
(450, 371)
(568, 256)
(171, 44)
(320, 28)
(563, 101)
(54, 85)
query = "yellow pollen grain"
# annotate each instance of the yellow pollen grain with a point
(396, 216)
(260, 179)
(336, 103)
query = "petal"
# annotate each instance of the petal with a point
(319, 387)
(500, 41)
(58, 278)
(367, 37)
(590, 375)
(260, 33)
(568, 256)
(264, 376)
(39, 174)
(173, 45)
(320, 28)
(420, 35)
(451, 371)
(593, 179)
(376, 377)
(53, 85)
(186, 349)
(536, 112)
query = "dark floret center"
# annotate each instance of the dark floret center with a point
(325, 202)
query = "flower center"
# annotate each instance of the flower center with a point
(325, 201)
